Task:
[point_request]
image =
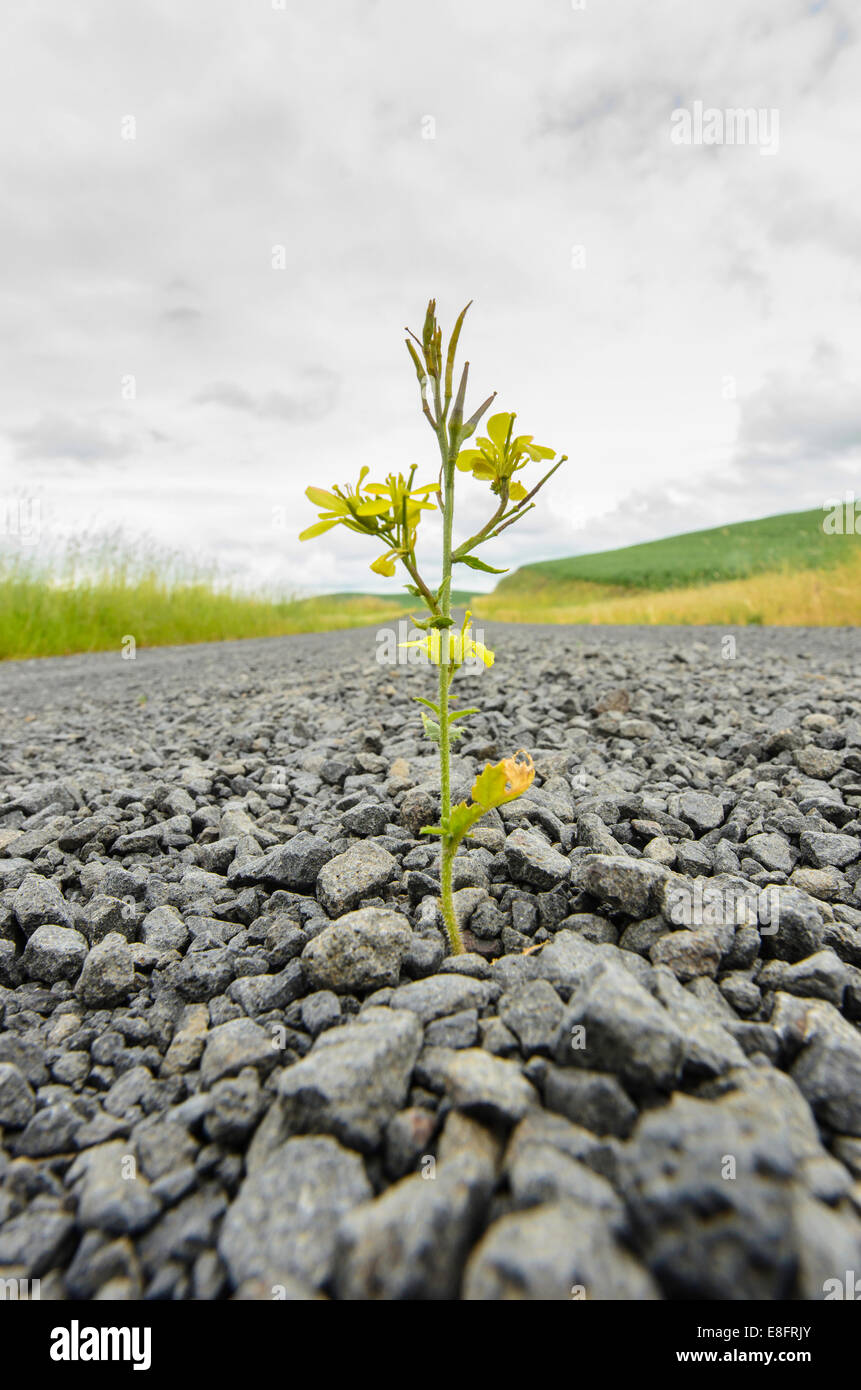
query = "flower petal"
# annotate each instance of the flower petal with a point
(321, 498)
(498, 427)
(384, 565)
(373, 508)
(317, 529)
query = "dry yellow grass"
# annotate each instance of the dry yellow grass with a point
(806, 598)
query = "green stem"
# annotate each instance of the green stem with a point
(448, 845)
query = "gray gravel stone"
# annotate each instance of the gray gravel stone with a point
(820, 976)
(366, 819)
(320, 1011)
(38, 903)
(592, 1099)
(487, 1087)
(620, 1028)
(772, 851)
(17, 1102)
(354, 1079)
(361, 952)
(357, 873)
(792, 922)
(164, 928)
(236, 1107)
(701, 780)
(531, 860)
(827, 1071)
(823, 849)
(532, 1011)
(412, 1242)
(701, 811)
(440, 995)
(54, 953)
(36, 1241)
(108, 975)
(234, 1045)
(543, 1173)
(709, 1186)
(260, 994)
(688, 953)
(104, 914)
(112, 1195)
(294, 865)
(621, 884)
(284, 1219)
(710, 1049)
(554, 1252)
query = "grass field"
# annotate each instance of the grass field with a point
(813, 598)
(95, 606)
(781, 570)
(794, 540)
(460, 598)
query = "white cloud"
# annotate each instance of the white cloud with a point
(302, 128)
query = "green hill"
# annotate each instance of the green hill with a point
(794, 540)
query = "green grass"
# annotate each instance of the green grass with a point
(794, 539)
(781, 569)
(460, 598)
(92, 601)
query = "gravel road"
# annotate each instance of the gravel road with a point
(235, 1059)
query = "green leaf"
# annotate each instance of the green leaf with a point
(422, 701)
(431, 728)
(488, 789)
(462, 818)
(475, 564)
(441, 622)
(457, 714)
(502, 781)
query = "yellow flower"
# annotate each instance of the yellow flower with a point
(343, 507)
(446, 648)
(390, 510)
(499, 456)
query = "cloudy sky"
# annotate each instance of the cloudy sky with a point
(680, 319)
